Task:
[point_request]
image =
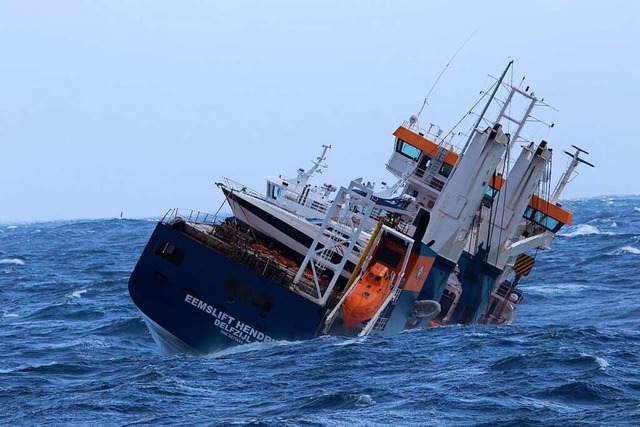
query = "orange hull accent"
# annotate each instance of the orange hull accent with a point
(368, 294)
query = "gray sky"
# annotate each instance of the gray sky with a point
(139, 106)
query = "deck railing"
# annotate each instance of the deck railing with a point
(192, 216)
(238, 186)
(437, 137)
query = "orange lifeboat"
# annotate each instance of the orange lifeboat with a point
(367, 295)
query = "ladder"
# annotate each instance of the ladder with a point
(336, 238)
(379, 321)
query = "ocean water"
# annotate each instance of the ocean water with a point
(74, 351)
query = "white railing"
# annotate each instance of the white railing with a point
(437, 138)
(190, 215)
(235, 185)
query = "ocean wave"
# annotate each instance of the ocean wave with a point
(23, 368)
(67, 311)
(339, 400)
(585, 230)
(630, 250)
(131, 326)
(510, 362)
(350, 341)
(600, 361)
(584, 392)
(15, 261)
(78, 294)
(557, 288)
(9, 315)
(250, 348)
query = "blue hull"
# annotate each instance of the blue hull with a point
(195, 300)
(478, 278)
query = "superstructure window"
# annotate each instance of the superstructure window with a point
(490, 195)
(445, 170)
(546, 221)
(273, 191)
(407, 150)
(542, 219)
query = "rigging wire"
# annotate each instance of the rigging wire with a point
(483, 94)
(443, 70)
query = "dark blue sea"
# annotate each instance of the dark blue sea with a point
(74, 351)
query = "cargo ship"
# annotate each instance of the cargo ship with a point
(447, 243)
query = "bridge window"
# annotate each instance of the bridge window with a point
(542, 219)
(407, 150)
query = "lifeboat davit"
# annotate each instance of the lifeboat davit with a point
(368, 294)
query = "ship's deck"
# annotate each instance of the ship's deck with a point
(243, 247)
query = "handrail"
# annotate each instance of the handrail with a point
(434, 137)
(238, 186)
(190, 215)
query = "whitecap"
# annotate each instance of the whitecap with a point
(5, 314)
(629, 250)
(584, 230)
(11, 227)
(351, 341)
(78, 294)
(557, 288)
(23, 367)
(602, 363)
(251, 347)
(636, 208)
(364, 400)
(15, 261)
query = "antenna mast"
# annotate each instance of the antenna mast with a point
(566, 176)
(484, 110)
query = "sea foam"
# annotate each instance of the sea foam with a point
(629, 250)
(78, 294)
(585, 230)
(15, 261)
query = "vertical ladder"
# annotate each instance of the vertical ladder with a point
(336, 238)
(380, 319)
(437, 161)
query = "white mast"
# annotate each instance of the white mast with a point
(514, 198)
(452, 215)
(303, 176)
(566, 176)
